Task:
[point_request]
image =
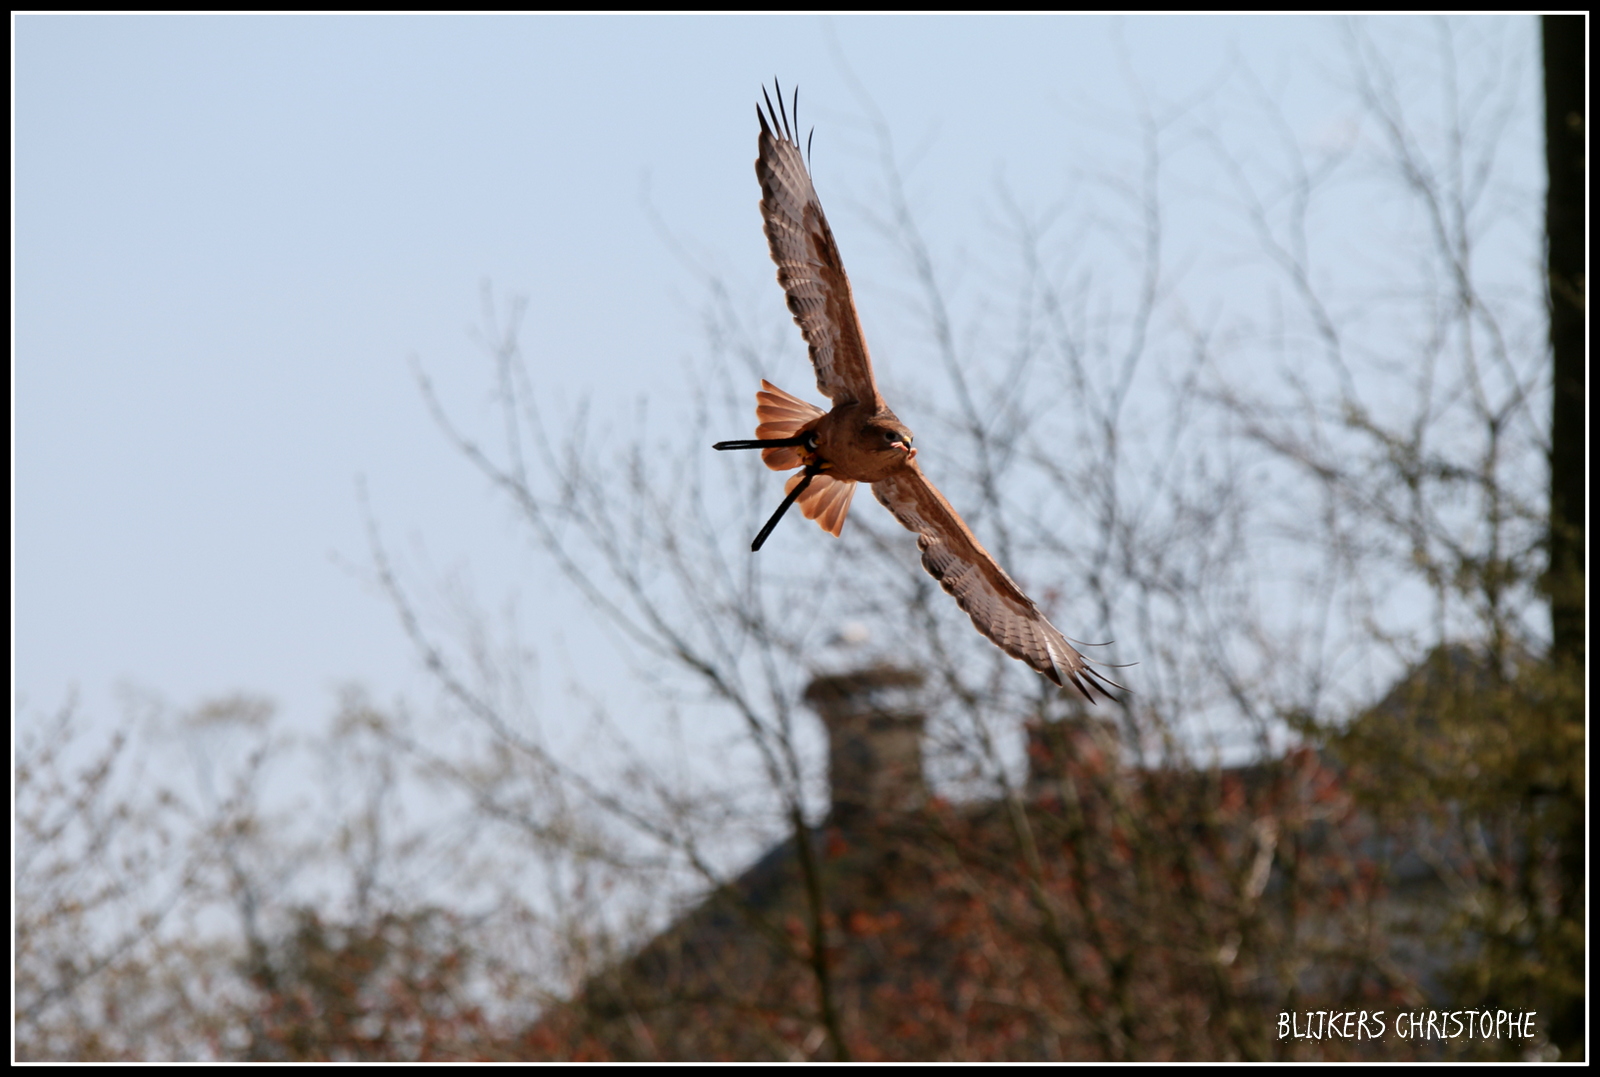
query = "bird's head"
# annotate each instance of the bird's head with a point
(889, 435)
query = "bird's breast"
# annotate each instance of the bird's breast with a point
(853, 450)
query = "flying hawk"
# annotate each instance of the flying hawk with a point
(861, 440)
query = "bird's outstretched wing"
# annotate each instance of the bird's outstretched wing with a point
(998, 608)
(809, 267)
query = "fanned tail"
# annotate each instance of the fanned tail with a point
(827, 499)
(782, 416)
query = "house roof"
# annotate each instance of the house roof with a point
(1104, 912)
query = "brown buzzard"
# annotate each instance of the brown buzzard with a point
(861, 440)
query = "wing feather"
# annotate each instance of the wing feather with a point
(998, 608)
(809, 267)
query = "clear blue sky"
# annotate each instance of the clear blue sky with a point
(232, 233)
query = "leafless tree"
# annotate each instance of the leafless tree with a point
(1106, 446)
(1280, 497)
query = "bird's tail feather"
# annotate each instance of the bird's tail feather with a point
(826, 500)
(782, 416)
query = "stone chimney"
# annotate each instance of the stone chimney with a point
(1079, 748)
(874, 723)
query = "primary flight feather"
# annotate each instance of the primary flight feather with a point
(860, 439)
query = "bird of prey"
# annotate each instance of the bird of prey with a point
(861, 440)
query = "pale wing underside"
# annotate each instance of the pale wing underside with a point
(997, 606)
(809, 267)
